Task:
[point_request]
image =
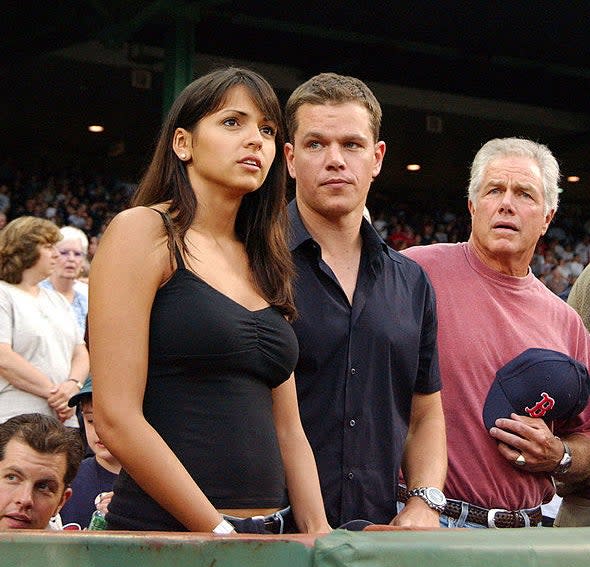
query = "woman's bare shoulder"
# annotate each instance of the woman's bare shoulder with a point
(144, 216)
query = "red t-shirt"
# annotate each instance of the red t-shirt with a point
(485, 319)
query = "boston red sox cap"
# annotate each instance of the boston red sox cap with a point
(538, 383)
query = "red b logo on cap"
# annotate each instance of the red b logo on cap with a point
(541, 407)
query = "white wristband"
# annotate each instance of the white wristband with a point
(223, 528)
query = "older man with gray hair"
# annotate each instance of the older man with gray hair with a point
(491, 309)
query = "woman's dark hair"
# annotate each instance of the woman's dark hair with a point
(262, 218)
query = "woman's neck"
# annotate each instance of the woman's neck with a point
(29, 284)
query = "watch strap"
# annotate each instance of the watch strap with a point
(422, 492)
(566, 461)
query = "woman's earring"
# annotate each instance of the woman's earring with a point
(182, 156)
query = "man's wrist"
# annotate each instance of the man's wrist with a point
(433, 497)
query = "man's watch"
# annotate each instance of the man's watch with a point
(566, 461)
(432, 496)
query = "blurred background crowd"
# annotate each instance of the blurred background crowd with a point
(88, 201)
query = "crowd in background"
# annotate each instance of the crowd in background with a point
(89, 201)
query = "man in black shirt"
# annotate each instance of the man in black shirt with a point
(367, 378)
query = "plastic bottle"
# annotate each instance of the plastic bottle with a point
(97, 521)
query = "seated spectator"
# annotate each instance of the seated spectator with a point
(567, 252)
(427, 233)
(402, 236)
(381, 225)
(93, 485)
(556, 232)
(92, 246)
(574, 267)
(4, 199)
(440, 234)
(538, 261)
(548, 264)
(39, 458)
(558, 282)
(582, 248)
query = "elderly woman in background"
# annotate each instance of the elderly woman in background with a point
(43, 358)
(72, 254)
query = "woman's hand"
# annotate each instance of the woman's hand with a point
(59, 396)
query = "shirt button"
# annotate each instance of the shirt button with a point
(353, 371)
(350, 475)
(352, 423)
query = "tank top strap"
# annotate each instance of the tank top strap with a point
(170, 233)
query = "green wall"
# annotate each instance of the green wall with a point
(535, 547)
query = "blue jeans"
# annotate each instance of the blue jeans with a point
(460, 522)
(447, 522)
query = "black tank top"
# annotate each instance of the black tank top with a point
(212, 365)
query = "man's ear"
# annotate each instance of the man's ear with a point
(379, 155)
(289, 158)
(65, 497)
(548, 218)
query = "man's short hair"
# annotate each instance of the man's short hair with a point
(520, 147)
(331, 88)
(44, 434)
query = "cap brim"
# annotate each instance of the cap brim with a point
(77, 398)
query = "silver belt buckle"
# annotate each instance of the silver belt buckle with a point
(492, 516)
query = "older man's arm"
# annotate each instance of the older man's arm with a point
(541, 449)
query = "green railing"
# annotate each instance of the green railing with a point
(535, 547)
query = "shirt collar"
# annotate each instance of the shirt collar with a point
(371, 239)
(298, 233)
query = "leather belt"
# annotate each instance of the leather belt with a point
(489, 517)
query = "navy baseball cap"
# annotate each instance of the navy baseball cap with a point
(85, 392)
(538, 383)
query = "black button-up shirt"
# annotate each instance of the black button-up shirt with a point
(358, 368)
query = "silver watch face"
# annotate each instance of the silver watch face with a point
(566, 459)
(436, 496)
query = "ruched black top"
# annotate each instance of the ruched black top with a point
(212, 365)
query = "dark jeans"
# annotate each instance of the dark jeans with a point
(281, 522)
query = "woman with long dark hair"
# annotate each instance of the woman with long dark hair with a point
(192, 353)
